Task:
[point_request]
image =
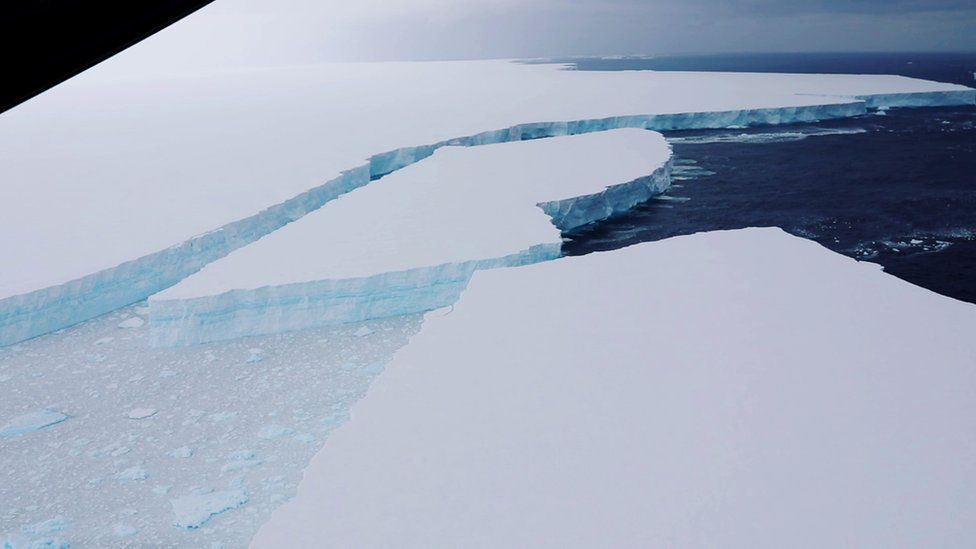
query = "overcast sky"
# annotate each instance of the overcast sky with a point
(300, 31)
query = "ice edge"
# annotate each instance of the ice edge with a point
(49, 309)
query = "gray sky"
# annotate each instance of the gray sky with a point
(300, 31)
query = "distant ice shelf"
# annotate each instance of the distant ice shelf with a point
(410, 242)
(118, 186)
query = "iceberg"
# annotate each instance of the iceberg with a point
(410, 243)
(176, 170)
(721, 389)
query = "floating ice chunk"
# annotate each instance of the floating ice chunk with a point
(193, 510)
(19, 541)
(132, 473)
(30, 422)
(255, 355)
(161, 489)
(122, 530)
(304, 437)
(410, 244)
(103, 341)
(363, 331)
(241, 454)
(270, 432)
(44, 528)
(220, 417)
(132, 322)
(242, 465)
(240, 461)
(141, 413)
(374, 368)
(181, 452)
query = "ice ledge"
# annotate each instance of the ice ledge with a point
(720, 389)
(945, 98)
(378, 253)
(45, 310)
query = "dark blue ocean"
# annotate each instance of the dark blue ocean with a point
(895, 188)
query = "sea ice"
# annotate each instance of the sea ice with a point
(132, 322)
(409, 243)
(31, 422)
(123, 530)
(67, 470)
(255, 355)
(736, 389)
(362, 332)
(44, 528)
(181, 452)
(271, 432)
(132, 473)
(141, 413)
(193, 510)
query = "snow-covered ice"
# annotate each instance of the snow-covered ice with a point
(45, 527)
(132, 322)
(141, 413)
(132, 473)
(735, 389)
(30, 422)
(182, 452)
(178, 169)
(98, 469)
(123, 530)
(195, 509)
(409, 243)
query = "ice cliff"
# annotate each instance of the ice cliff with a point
(119, 188)
(410, 243)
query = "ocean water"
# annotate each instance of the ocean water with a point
(896, 188)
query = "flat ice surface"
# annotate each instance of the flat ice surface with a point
(462, 204)
(163, 446)
(112, 165)
(734, 389)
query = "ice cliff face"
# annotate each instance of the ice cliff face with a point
(411, 243)
(225, 186)
(42, 311)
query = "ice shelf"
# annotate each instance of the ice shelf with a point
(118, 185)
(410, 242)
(737, 389)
